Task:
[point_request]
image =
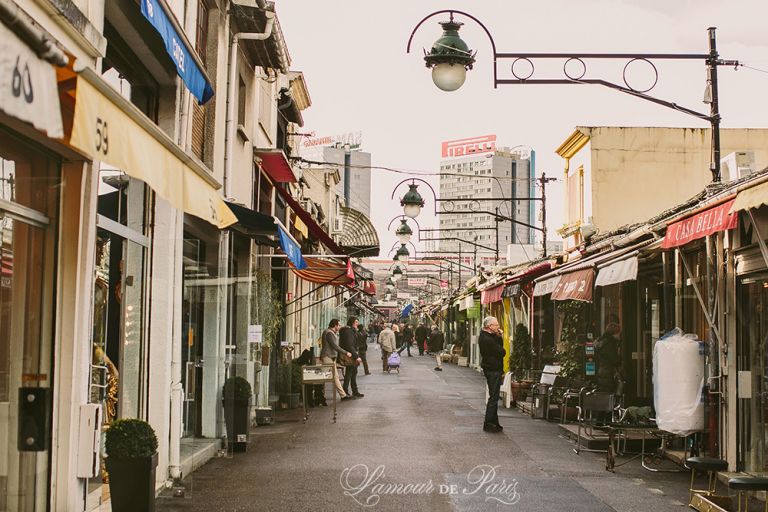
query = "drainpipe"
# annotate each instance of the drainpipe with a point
(224, 246)
(177, 394)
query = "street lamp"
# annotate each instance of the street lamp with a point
(449, 58)
(449, 49)
(412, 202)
(404, 232)
(402, 254)
(397, 273)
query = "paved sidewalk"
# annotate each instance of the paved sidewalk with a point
(423, 428)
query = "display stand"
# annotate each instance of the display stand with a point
(317, 374)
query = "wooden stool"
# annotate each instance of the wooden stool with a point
(711, 466)
(748, 483)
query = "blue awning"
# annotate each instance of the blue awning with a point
(291, 249)
(178, 49)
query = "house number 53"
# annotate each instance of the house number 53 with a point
(102, 136)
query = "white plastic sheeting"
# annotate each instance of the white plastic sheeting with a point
(678, 382)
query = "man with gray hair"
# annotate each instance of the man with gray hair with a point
(388, 344)
(492, 353)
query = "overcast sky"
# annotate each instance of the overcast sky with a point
(352, 53)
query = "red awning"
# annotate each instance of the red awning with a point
(276, 165)
(324, 272)
(314, 228)
(491, 295)
(575, 285)
(697, 226)
(534, 271)
(369, 288)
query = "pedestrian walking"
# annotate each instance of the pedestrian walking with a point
(362, 347)
(388, 343)
(436, 343)
(422, 333)
(331, 350)
(348, 342)
(492, 355)
(407, 337)
(407, 340)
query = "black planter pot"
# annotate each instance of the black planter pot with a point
(132, 483)
(237, 415)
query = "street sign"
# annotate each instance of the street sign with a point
(417, 281)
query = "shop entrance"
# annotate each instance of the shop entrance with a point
(753, 374)
(28, 203)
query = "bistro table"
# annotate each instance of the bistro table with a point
(618, 433)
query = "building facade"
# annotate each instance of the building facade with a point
(147, 197)
(486, 175)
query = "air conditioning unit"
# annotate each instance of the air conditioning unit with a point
(737, 165)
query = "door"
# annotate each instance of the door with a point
(28, 195)
(752, 379)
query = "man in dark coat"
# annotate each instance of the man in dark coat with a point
(436, 343)
(422, 333)
(407, 340)
(348, 342)
(492, 361)
(362, 346)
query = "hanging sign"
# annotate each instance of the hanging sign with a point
(194, 77)
(417, 281)
(704, 223)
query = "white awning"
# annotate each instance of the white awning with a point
(109, 128)
(28, 88)
(545, 286)
(617, 272)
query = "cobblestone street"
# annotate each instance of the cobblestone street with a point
(420, 427)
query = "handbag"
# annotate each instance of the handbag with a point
(346, 360)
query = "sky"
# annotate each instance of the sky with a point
(360, 78)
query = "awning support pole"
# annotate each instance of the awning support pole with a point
(316, 288)
(701, 301)
(315, 303)
(760, 241)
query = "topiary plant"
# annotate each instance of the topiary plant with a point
(520, 359)
(130, 439)
(237, 388)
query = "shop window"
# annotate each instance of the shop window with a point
(265, 195)
(694, 320)
(241, 101)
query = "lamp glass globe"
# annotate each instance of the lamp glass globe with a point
(412, 210)
(449, 77)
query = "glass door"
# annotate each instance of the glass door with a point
(752, 376)
(28, 202)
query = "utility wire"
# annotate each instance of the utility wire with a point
(753, 68)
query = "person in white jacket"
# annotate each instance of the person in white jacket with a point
(388, 344)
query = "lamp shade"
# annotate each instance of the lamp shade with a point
(402, 254)
(404, 232)
(449, 58)
(412, 202)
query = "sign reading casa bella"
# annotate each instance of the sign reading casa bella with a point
(700, 225)
(470, 146)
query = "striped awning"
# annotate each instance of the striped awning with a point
(325, 272)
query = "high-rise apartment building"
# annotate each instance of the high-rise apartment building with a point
(476, 169)
(360, 175)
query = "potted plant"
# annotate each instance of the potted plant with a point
(237, 412)
(131, 447)
(520, 361)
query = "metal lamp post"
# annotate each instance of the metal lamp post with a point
(444, 60)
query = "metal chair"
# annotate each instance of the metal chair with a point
(591, 403)
(574, 392)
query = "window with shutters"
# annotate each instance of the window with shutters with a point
(198, 111)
